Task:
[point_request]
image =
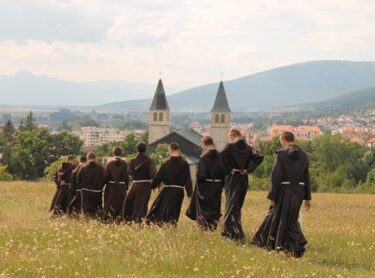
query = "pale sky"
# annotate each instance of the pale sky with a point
(190, 42)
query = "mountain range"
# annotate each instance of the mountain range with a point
(27, 89)
(293, 85)
(290, 85)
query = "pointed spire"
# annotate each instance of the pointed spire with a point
(160, 99)
(221, 101)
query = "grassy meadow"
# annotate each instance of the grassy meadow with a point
(340, 229)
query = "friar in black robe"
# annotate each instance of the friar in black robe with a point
(174, 173)
(205, 205)
(62, 180)
(117, 183)
(290, 185)
(74, 207)
(239, 160)
(91, 179)
(143, 170)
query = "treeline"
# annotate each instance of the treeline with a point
(26, 152)
(336, 164)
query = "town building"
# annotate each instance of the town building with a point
(95, 136)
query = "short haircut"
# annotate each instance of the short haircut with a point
(141, 147)
(174, 146)
(235, 133)
(287, 136)
(207, 141)
(117, 151)
(91, 155)
(71, 157)
(82, 159)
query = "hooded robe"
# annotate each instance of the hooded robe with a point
(174, 173)
(236, 157)
(91, 178)
(61, 198)
(117, 182)
(290, 185)
(205, 205)
(143, 170)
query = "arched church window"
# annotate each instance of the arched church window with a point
(216, 118)
(222, 120)
(155, 116)
(161, 116)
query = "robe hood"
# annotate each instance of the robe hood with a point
(241, 151)
(293, 152)
(211, 154)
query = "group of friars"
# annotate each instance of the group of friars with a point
(96, 191)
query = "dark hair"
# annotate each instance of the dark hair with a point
(287, 136)
(117, 151)
(141, 147)
(174, 146)
(91, 155)
(235, 133)
(71, 157)
(82, 159)
(207, 141)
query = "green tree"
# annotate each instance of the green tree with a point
(160, 154)
(128, 144)
(4, 174)
(9, 130)
(29, 124)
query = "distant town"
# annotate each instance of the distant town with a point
(98, 129)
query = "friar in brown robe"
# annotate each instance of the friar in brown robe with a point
(91, 179)
(290, 185)
(239, 160)
(117, 182)
(205, 205)
(74, 207)
(174, 173)
(62, 179)
(143, 170)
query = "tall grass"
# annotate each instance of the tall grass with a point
(340, 229)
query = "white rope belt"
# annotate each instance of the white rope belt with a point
(142, 181)
(288, 182)
(212, 180)
(78, 190)
(236, 170)
(120, 182)
(92, 190)
(173, 186)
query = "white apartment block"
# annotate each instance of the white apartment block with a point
(96, 136)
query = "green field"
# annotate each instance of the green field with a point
(340, 229)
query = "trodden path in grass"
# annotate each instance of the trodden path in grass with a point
(340, 229)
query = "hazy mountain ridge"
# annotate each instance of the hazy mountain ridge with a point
(25, 88)
(285, 86)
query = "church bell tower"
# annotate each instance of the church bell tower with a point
(159, 115)
(220, 118)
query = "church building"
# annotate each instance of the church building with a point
(160, 131)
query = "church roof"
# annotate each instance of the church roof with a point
(188, 140)
(160, 99)
(221, 101)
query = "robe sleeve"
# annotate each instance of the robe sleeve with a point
(255, 160)
(131, 168)
(225, 160)
(201, 171)
(126, 177)
(152, 169)
(276, 179)
(307, 183)
(188, 183)
(158, 178)
(73, 183)
(80, 177)
(56, 178)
